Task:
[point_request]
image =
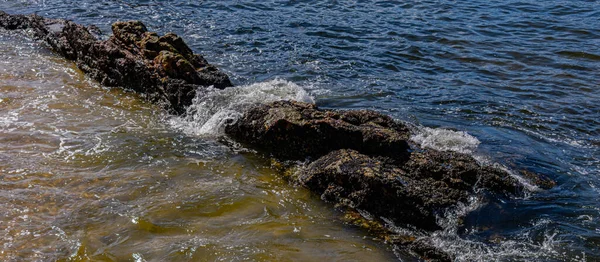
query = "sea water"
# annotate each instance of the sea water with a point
(89, 172)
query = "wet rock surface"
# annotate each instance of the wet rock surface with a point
(414, 192)
(359, 160)
(163, 68)
(297, 130)
(362, 161)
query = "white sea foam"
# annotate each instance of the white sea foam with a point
(485, 160)
(212, 108)
(463, 247)
(521, 247)
(445, 140)
(529, 186)
(460, 141)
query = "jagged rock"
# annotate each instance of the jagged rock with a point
(296, 130)
(404, 241)
(129, 32)
(163, 68)
(427, 250)
(412, 192)
(12, 22)
(364, 161)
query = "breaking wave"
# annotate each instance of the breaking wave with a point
(212, 108)
(445, 140)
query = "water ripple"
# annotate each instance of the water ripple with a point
(520, 76)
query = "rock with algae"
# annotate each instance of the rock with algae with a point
(412, 192)
(362, 160)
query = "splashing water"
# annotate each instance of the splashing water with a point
(521, 77)
(445, 140)
(91, 173)
(213, 108)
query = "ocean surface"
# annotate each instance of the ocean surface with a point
(92, 173)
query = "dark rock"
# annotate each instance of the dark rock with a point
(427, 251)
(538, 180)
(163, 68)
(12, 22)
(129, 33)
(411, 193)
(404, 242)
(296, 130)
(364, 162)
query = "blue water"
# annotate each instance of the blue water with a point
(523, 77)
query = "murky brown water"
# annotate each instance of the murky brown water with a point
(89, 173)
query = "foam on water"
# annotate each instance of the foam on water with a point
(491, 74)
(462, 142)
(212, 108)
(523, 248)
(463, 247)
(537, 243)
(445, 140)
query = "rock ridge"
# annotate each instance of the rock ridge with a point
(307, 131)
(363, 162)
(359, 160)
(163, 68)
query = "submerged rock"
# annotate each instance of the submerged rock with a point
(163, 68)
(297, 130)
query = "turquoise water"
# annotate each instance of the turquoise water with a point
(521, 78)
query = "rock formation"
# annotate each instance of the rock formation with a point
(361, 161)
(296, 130)
(163, 68)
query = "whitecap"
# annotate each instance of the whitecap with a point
(213, 108)
(445, 140)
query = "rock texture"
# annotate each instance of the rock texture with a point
(361, 160)
(163, 68)
(297, 130)
(412, 193)
(364, 161)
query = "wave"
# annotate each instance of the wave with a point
(444, 139)
(213, 108)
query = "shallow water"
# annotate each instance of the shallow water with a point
(94, 171)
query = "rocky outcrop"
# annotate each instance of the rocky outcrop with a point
(362, 161)
(163, 68)
(297, 130)
(414, 192)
